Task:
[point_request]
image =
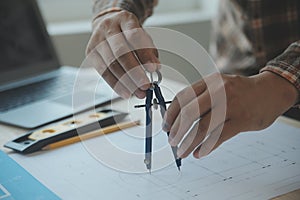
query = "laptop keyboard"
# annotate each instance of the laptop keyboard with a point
(47, 89)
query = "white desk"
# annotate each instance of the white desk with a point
(73, 172)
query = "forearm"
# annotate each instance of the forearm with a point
(287, 66)
(279, 95)
(141, 8)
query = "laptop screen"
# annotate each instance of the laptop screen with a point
(26, 49)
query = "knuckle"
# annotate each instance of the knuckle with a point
(111, 62)
(105, 24)
(179, 100)
(186, 115)
(135, 71)
(129, 16)
(183, 93)
(118, 86)
(121, 50)
(132, 35)
(124, 13)
(132, 16)
(201, 128)
(231, 83)
(135, 35)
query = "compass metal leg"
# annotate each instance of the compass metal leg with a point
(148, 139)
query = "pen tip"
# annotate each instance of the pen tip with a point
(178, 168)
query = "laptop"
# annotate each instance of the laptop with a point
(34, 88)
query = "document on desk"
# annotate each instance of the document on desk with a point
(253, 165)
(16, 183)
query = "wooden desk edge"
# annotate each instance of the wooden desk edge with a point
(294, 195)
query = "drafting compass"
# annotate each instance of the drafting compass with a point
(155, 102)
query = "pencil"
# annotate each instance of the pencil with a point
(106, 130)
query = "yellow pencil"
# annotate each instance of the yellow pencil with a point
(106, 130)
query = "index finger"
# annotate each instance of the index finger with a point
(128, 61)
(141, 43)
(181, 99)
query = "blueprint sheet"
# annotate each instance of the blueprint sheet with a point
(252, 165)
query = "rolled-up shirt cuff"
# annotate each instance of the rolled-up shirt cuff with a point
(108, 10)
(142, 9)
(288, 72)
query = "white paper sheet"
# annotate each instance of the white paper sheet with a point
(253, 165)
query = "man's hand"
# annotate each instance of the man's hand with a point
(251, 103)
(119, 45)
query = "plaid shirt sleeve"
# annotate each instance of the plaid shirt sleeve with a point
(287, 64)
(249, 37)
(141, 8)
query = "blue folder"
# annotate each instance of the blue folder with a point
(16, 183)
